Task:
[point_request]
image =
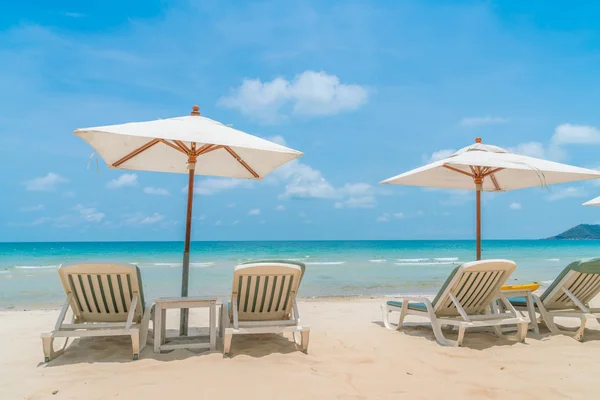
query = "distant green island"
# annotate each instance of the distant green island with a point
(579, 232)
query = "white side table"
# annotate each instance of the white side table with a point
(530, 305)
(166, 303)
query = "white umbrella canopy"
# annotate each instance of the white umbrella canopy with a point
(593, 202)
(163, 146)
(488, 168)
(192, 144)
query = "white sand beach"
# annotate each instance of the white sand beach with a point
(351, 356)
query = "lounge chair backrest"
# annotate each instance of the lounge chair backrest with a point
(581, 278)
(103, 292)
(265, 289)
(474, 284)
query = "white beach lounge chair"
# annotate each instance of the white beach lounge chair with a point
(263, 300)
(106, 300)
(464, 301)
(568, 296)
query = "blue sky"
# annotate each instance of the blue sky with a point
(366, 90)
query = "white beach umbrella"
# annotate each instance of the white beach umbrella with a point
(592, 202)
(192, 144)
(482, 167)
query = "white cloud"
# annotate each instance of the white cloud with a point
(563, 193)
(576, 134)
(481, 121)
(125, 180)
(255, 211)
(357, 202)
(211, 186)
(156, 191)
(515, 206)
(304, 182)
(152, 219)
(38, 207)
(439, 155)
(89, 214)
(387, 217)
(308, 94)
(384, 218)
(47, 183)
(280, 208)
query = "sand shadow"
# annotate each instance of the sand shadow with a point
(475, 339)
(117, 349)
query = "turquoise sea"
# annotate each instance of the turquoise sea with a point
(28, 275)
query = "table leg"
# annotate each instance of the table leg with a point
(163, 327)
(158, 323)
(213, 326)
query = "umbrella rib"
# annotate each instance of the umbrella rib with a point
(458, 170)
(182, 146)
(136, 152)
(239, 159)
(173, 146)
(493, 171)
(495, 182)
(201, 152)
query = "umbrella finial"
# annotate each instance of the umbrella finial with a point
(195, 111)
(477, 140)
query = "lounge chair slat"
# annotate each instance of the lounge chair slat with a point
(471, 300)
(583, 286)
(252, 294)
(487, 289)
(116, 285)
(460, 284)
(77, 293)
(260, 293)
(243, 298)
(465, 289)
(98, 295)
(85, 283)
(561, 297)
(591, 290)
(126, 285)
(108, 294)
(280, 293)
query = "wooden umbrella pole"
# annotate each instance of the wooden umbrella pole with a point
(478, 224)
(185, 274)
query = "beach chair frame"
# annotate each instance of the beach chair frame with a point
(465, 302)
(105, 300)
(263, 300)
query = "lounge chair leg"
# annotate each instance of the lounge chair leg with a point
(461, 335)
(385, 311)
(135, 344)
(48, 347)
(579, 334)
(304, 341)
(227, 343)
(522, 330)
(402, 315)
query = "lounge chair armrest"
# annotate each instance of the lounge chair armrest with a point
(63, 312)
(418, 300)
(134, 301)
(234, 309)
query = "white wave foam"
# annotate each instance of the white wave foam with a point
(546, 283)
(553, 259)
(326, 263)
(202, 264)
(378, 261)
(36, 266)
(426, 263)
(412, 260)
(165, 264)
(446, 259)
